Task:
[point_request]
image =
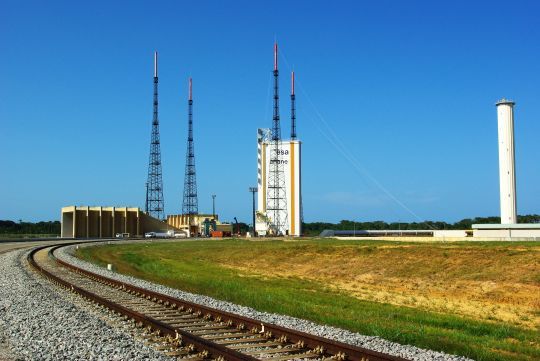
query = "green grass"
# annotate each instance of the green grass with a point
(191, 266)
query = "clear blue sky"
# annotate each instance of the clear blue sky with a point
(407, 88)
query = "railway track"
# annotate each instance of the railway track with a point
(191, 331)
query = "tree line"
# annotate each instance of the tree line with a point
(315, 228)
(10, 227)
(309, 229)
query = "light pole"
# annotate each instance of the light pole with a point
(253, 190)
(146, 204)
(214, 206)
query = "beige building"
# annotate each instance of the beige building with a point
(193, 224)
(105, 222)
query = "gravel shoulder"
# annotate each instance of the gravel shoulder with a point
(370, 342)
(38, 321)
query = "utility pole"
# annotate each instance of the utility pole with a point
(237, 226)
(146, 203)
(253, 190)
(214, 206)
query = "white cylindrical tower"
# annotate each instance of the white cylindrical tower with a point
(507, 173)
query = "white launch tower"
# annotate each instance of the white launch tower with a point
(507, 173)
(291, 157)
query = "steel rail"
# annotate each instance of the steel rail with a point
(200, 343)
(324, 346)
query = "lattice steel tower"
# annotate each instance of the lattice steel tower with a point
(293, 136)
(190, 203)
(277, 198)
(293, 109)
(154, 186)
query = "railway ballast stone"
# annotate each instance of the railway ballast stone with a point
(370, 342)
(37, 323)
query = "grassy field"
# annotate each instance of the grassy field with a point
(477, 299)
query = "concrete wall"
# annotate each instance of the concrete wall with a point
(119, 221)
(506, 233)
(151, 224)
(449, 233)
(132, 222)
(94, 224)
(80, 230)
(510, 231)
(106, 222)
(67, 225)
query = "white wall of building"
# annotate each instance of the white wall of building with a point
(291, 158)
(520, 231)
(449, 233)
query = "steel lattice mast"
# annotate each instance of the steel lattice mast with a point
(276, 200)
(293, 137)
(190, 203)
(293, 109)
(154, 186)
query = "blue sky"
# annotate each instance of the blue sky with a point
(395, 103)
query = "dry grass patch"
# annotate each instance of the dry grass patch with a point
(499, 282)
(473, 299)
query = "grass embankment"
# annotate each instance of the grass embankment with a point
(477, 299)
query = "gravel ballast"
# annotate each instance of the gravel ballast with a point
(39, 321)
(370, 342)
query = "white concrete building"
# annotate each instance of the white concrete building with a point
(290, 151)
(515, 232)
(507, 173)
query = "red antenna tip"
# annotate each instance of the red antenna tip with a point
(292, 83)
(190, 91)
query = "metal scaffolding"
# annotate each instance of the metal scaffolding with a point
(277, 198)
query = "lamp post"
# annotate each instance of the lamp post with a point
(146, 203)
(253, 190)
(214, 206)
